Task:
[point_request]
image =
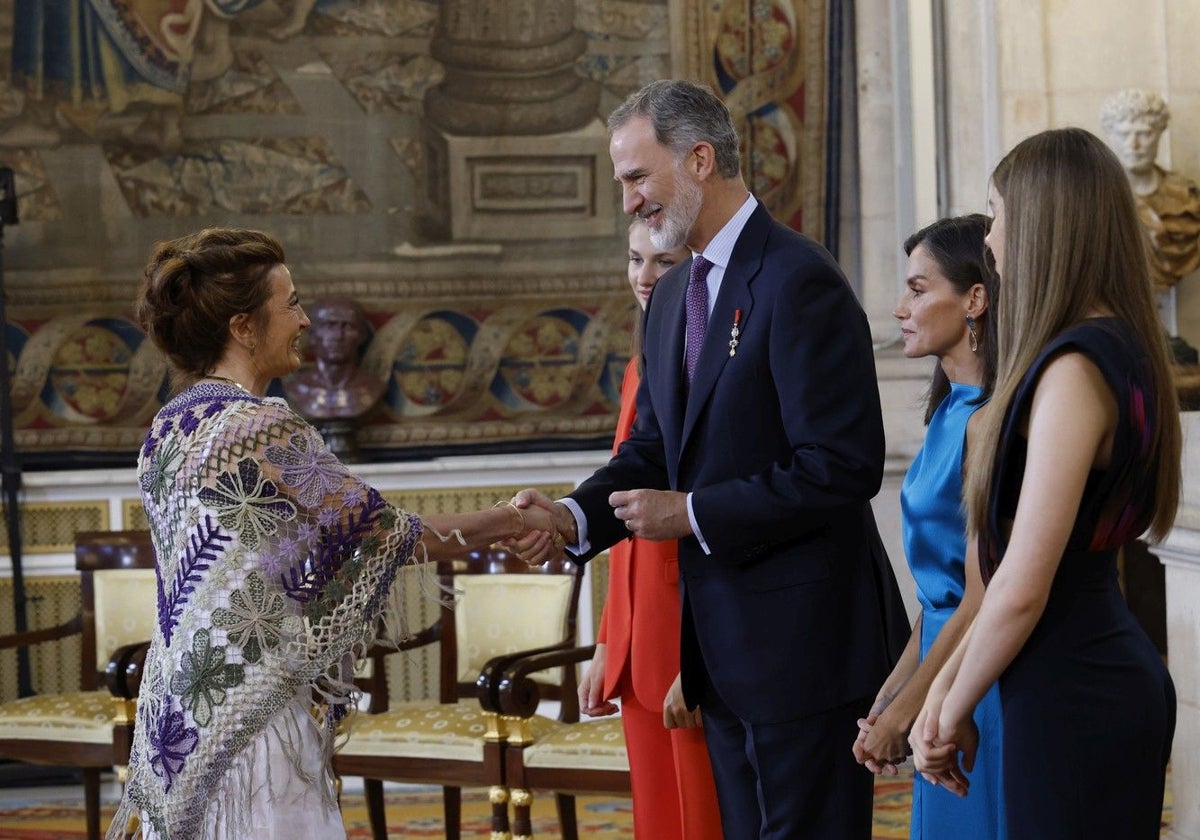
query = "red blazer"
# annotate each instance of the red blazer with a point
(642, 637)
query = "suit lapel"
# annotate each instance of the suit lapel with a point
(714, 355)
(665, 326)
(734, 296)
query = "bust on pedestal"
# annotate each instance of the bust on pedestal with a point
(336, 392)
(1168, 203)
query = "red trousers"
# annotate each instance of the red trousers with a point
(674, 797)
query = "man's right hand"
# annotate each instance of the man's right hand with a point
(538, 547)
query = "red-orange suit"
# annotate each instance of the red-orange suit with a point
(673, 791)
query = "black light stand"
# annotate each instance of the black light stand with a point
(10, 467)
(16, 774)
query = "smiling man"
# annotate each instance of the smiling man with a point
(758, 445)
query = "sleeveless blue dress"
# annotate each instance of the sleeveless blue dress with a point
(935, 543)
(1089, 708)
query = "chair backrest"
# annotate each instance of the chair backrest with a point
(119, 594)
(492, 604)
(504, 606)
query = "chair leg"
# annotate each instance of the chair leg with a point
(498, 796)
(376, 811)
(91, 801)
(452, 810)
(522, 826)
(565, 803)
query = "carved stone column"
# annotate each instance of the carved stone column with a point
(510, 68)
(1180, 554)
(512, 139)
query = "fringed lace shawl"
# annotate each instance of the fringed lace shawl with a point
(274, 564)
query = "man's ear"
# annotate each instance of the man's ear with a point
(702, 160)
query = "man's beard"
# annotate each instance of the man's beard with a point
(677, 220)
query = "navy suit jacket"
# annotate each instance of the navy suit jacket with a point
(796, 610)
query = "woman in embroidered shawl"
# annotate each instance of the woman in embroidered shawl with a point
(274, 562)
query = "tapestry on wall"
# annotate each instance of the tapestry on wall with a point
(778, 66)
(443, 163)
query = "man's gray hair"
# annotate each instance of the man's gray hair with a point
(684, 114)
(1134, 104)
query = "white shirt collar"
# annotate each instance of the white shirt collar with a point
(720, 250)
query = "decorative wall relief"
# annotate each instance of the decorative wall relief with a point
(292, 175)
(775, 63)
(38, 200)
(504, 370)
(509, 68)
(443, 163)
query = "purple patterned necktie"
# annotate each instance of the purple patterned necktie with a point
(697, 313)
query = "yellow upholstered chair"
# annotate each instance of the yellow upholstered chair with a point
(89, 729)
(499, 607)
(565, 756)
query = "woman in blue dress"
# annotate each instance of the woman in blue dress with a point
(943, 312)
(1079, 454)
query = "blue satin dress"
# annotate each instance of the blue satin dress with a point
(935, 544)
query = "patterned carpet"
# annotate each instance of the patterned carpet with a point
(417, 813)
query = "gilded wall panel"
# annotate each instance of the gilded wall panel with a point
(54, 666)
(49, 527)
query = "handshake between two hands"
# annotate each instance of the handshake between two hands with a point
(650, 514)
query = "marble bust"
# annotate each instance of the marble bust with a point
(336, 386)
(1168, 204)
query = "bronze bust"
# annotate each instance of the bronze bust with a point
(336, 391)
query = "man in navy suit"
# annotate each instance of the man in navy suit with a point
(758, 445)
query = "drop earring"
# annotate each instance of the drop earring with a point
(972, 336)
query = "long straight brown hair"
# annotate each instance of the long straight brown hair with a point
(1072, 244)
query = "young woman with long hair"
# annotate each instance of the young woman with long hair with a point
(1079, 454)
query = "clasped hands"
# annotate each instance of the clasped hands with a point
(650, 514)
(937, 738)
(882, 739)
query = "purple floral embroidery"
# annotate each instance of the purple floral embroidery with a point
(248, 504)
(338, 545)
(189, 423)
(203, 547)
(171, 742)
(308, 532)
(350, 497)
(312, 470)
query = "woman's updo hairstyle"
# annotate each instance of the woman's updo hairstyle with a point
(191, 288)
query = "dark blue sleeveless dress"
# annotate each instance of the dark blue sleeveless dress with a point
(1089, 708)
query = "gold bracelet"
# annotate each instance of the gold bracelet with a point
(520, 514)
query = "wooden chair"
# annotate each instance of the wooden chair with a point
(566, 756)
(85, 729)
(500, 607)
